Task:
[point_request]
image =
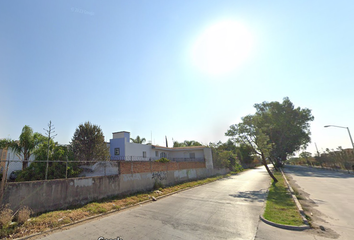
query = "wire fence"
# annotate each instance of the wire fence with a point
(54, 169)
(135, 158)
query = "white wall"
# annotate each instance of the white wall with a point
(186, 153)
(136, 150)
(14, 162)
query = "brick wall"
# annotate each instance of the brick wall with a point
(143, 166)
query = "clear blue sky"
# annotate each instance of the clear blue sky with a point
(159, 66)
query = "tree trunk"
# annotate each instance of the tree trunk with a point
(274, 165)
(266, 166)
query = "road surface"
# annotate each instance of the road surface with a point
(330, 197)
(225, 209)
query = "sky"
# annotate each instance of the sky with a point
(182, 69)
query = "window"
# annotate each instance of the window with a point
(156, 153)
(192, 155)
(116, 151)
(144, 154)
(162, 155)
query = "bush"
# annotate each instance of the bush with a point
(158, 185)
(5, 215)
(23, 215)
(163, 160)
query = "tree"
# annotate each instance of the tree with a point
(138, 140)
(275, 131)
(251, 132)
(88, 143)
(245, 154)
(61, 163)
(306, 156)
(287, 127)
(25, 146)
(186, 143)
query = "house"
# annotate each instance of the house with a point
(122, 149)
(8, 158)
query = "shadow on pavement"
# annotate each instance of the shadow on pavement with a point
(251, 196)
(315, 172)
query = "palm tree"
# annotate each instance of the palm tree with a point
(138, 140)
(191, 143)
(26, 144)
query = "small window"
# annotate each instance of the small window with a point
(162, 155)
(156, 153)
(192, 155)
(116, 151)
(144, 154)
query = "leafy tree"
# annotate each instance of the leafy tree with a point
(275, 131)
(251, 132)
(58, 168)
(245, 153)
(88, 143)
(287, 127)
(25, 146)
(306, 156)
(225, 155)
(186, 143)
(138, 140)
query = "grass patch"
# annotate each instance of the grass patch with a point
(59, 218)
(280, 207)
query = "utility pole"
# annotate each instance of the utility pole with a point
(49, 131)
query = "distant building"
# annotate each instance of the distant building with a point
(122, 149)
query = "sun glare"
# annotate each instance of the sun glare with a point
(222, 47)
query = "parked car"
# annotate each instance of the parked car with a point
(14, 175)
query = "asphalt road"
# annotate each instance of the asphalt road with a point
(330, 195)
(225, 209)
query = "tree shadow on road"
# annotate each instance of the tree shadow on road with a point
(251, 196)
(303, 171)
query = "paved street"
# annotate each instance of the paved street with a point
(225, 209)
(328, 196)
(332, 197)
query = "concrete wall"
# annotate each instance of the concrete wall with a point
(49, 195)
(132, 167)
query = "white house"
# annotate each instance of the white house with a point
(11, 160)
(122, 149)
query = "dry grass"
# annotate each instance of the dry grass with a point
(23, 215)
(5, 216)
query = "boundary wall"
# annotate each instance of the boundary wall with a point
(42, 196)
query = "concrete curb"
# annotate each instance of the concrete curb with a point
(283, 226)
(114, 211)
(299, 207)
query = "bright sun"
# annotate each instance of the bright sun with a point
(222, 47)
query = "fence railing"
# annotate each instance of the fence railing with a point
(135, 158)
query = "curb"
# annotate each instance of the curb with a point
(299, 207)
(286, 227)
(113, 211)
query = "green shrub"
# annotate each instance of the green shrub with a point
(163, 160)
(158, 185)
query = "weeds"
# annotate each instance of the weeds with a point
(5, 216)
(23, 215)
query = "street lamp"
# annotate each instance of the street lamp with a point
(343, 127)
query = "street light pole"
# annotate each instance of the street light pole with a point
(348, 132)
